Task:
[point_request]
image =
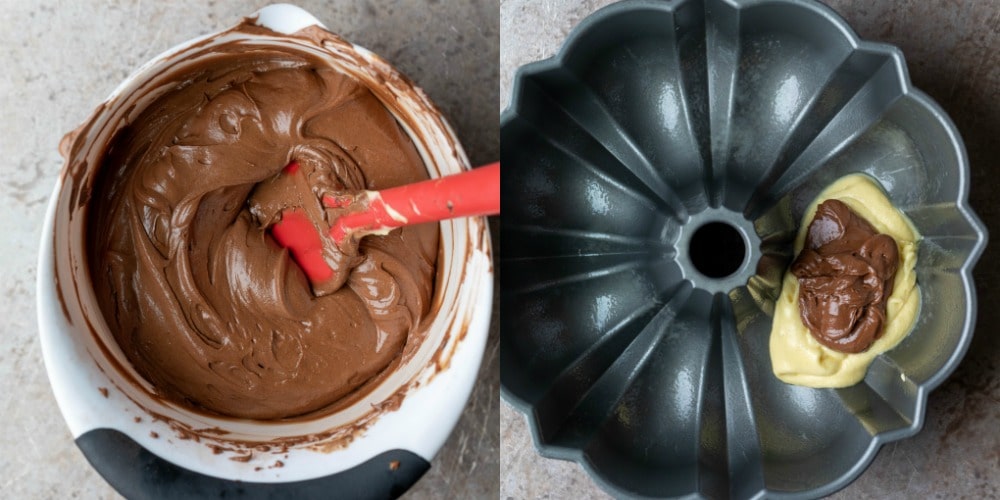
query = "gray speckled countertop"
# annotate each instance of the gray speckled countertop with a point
(952, 49)
(61, 58)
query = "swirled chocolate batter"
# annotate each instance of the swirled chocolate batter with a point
(845, 277)
(203, 302)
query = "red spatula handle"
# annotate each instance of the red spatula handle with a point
(471, 193)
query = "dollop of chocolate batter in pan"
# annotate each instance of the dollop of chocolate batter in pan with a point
(845, 273)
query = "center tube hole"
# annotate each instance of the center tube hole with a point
(717, 249)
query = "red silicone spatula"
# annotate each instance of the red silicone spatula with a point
(472, 193)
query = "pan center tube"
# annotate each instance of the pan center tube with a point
(718, 250)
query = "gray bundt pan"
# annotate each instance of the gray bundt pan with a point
(636, 344)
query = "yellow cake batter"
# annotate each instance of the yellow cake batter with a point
(796, 357)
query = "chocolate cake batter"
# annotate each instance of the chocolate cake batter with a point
(845, 277)
(203, 302)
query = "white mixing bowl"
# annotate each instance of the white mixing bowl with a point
(144, 445)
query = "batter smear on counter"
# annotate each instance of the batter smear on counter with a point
(202, 301)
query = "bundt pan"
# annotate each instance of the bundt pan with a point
(656, 171)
